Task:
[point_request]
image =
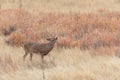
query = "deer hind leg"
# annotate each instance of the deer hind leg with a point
(31, 55)
(26, 53)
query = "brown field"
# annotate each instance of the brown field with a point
(88, 46)
(62, 5)
(60, 64)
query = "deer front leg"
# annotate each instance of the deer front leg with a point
(43, 67)
(42, 57)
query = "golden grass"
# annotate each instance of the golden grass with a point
(60, 64)
(37, 6)
(87, 31)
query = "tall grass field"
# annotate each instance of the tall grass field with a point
(88, 45)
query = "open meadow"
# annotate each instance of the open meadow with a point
(88, 45)
(60, 64)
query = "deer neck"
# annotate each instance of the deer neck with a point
(51, 43)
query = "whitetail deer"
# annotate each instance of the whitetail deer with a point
(39, 48)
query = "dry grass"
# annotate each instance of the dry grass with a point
(88, 39)
(60, 64)
(63, 5)
(86, 31)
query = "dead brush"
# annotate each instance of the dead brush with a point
(9, 31)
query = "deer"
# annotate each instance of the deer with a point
(42, 49)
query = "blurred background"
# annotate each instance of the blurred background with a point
(62, 5)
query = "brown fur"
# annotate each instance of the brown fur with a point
(39, 48)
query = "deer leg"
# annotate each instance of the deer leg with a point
(31, 54)
(42, 57)
(26, 53)
(43, 67)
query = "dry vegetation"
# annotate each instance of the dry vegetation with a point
(60, 64)
(88, 39)
(62, 5)
(95, 31)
